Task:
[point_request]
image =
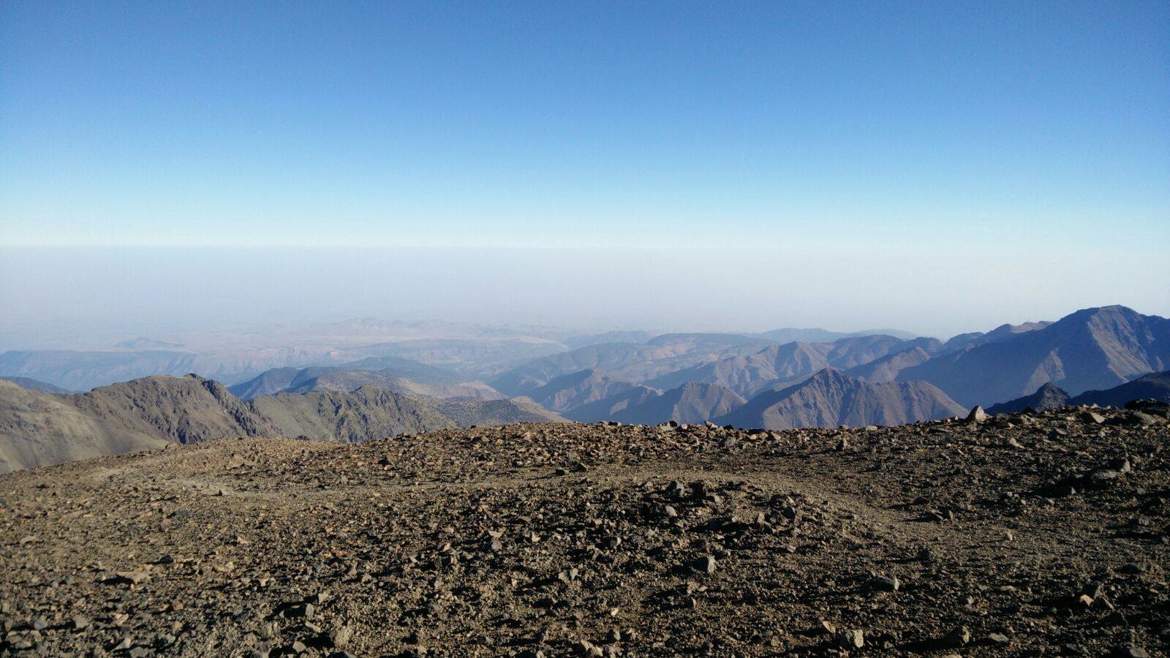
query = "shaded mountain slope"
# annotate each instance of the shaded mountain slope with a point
(39, 428)
(607, 408)
(1155, 386)
(1094, 348)
(852, 352)
(577, 389)
(531, 376)
(886, 369)
(831, 398)
(689, 403)
(747, 374)
(1048, 396)
(269, 382)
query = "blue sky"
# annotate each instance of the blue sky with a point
(584, 124)
(932, 166)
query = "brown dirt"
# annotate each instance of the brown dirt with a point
(580, 539)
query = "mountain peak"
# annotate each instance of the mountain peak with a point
(830, 375)
(1113, 311)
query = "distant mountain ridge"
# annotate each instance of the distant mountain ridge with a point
(1048, 396)
(741, 378)
(578, 389)
(38, 428)
(404, 377)
(1093, 348)
(795, 335)
(831, 398)
(778, 366)
(36, 385)
(629, 362)
(693, 402)
(1154, 386)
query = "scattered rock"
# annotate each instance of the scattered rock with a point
(958, 637)
(851, 639)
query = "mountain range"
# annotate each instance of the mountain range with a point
(1154, 386)
(1093, 348)
(831, 398)
(406, 377)
(1099, 355)
(41, 428)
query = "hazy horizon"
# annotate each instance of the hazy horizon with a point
(92, 296)
(937, 168)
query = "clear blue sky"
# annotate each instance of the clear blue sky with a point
(584, 123)
(934, 166)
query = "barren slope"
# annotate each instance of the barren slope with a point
(1023, 535)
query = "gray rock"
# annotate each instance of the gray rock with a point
(851, 639)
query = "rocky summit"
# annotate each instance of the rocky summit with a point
(1039, 534)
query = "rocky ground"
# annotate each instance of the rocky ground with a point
(1021, 535)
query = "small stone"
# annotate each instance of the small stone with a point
(851, 639)
(1092, 417)
(341, 636)
(977, 415)
(959, 637)
(320, 597)
(998, 638)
